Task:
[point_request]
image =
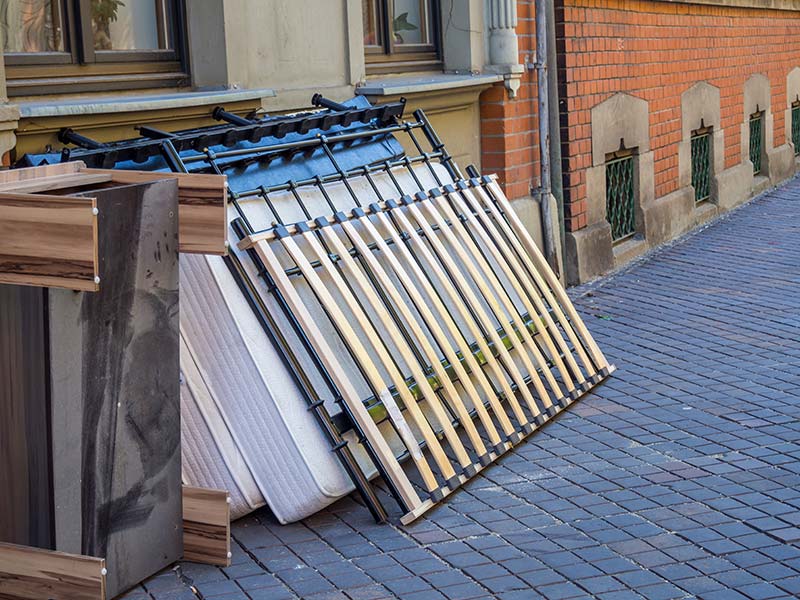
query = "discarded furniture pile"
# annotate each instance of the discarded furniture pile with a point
(378, 313)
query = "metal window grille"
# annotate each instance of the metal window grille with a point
(796, 127)
(620, 197)
(701, 164)
(756, 128)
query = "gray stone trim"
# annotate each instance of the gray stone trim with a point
(391, 86)
(792, 94)
(757, 97)
(700, 107)
(622, 118)
(777, 163)
(128, 103)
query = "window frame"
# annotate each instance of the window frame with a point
(612, 159)
(81, 68)
(706, 132)
(387, 57)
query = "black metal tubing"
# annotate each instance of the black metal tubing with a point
(69, 136)
(320, 100)
(169, 146)
(107, 155)
(220, 114)
(266, 151)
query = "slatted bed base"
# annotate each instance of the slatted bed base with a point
(460, 264)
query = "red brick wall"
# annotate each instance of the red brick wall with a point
(509, 128)
(652, 50)
(656, 51)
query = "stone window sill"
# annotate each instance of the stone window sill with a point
(90, 105)
(396, 86)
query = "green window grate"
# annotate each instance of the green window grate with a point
(619, 197)
(796, 127)
(701, 164)
(755, 141)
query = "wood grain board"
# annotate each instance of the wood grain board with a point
(458, 274)
(202, 204)
(49, 241)
(49, 226)
(32, 574)
(206, 526)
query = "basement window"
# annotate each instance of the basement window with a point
(796, 126)
(701, 163)
(756, 140)
(620, 194)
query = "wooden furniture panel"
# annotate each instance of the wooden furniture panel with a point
(89, 399)
(206, 526)
(33, 574)
(202, 199)
(114, 361)
(202, 205)
(48, 241)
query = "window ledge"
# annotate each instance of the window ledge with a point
(121, 104)
(394, 86)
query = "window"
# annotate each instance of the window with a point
(701, 163)
(58, 46)
(620, 212)
(756, 141)
(796, 127)
(401, 35)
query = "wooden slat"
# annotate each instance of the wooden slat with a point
(29, 173)
(55, 182)
(202, 201)
(33, 574)
(49, 241)
(206, 526)
(498, 298)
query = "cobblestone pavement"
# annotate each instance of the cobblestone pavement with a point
(678, 478)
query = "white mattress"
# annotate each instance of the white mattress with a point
(246, 427)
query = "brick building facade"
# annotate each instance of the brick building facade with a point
(652, 76)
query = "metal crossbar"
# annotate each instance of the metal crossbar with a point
(418, 298)
(620, 211)
(701, 164)
(756, 141)
(796, 127)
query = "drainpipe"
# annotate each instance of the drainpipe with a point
(556, 181)
(543, 104)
